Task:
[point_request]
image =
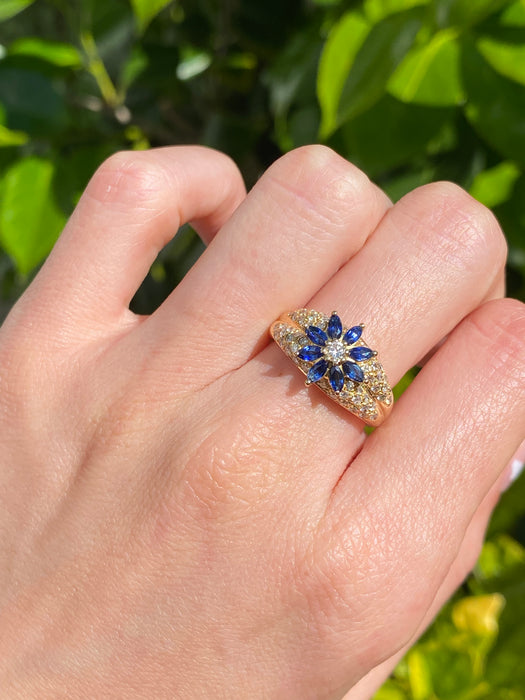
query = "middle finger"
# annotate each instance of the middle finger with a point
(309, 213)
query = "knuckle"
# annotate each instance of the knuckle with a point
(224, 163)
(234, 470)
(128, 178)
(500, 323)
(351, 566)
(328, 187)
(301, 160)
(469, 233)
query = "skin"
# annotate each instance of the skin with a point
(179, 516)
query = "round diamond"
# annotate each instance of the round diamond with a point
(335, 351)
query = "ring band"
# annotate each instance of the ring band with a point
(337, 360)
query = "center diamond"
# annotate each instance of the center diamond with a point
(335, 351)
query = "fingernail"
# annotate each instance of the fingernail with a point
(515, 468)
(513, 472)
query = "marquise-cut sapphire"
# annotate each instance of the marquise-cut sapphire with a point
(335, 327)
(316, 335)
(317, 371)
(352, 335)
(310, 352)
(337, 378)
(353, 371)
(361, 353)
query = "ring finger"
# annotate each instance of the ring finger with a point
(435, 256)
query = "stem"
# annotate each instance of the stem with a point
(98, 70)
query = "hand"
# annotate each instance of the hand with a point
(179, 516)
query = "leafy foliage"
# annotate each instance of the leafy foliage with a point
(410, 90)
(29, 180)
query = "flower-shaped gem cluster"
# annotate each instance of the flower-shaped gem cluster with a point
(335, 353)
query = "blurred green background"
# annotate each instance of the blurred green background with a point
(410, 90)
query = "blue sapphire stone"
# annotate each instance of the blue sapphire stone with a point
(310, 352)
(317, 371)
(353, 371)
(352, 335)
(335, 327)
(316, 335)
(336, 378)
(361, 353)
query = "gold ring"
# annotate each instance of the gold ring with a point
(337, 360)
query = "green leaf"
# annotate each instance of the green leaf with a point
(448, 661)
(384, 48)
(289, 77)
(514, 15)
(405, 381)
(146, 10)
(419, 676)
(400, 185)
(32, 101)
(10, 8)
(133, 68)
(495, 106)
(466, 13)
(392, 134)
(376, 10)
(339, 52)
(12, 138)
(56, 52)
(430, 74)
(500, 557)
(507, 59)
(30, 221)
(291, 84)
(478, 614)
(505, 668)
(494, 186)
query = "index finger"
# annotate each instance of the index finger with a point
(132, 207)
